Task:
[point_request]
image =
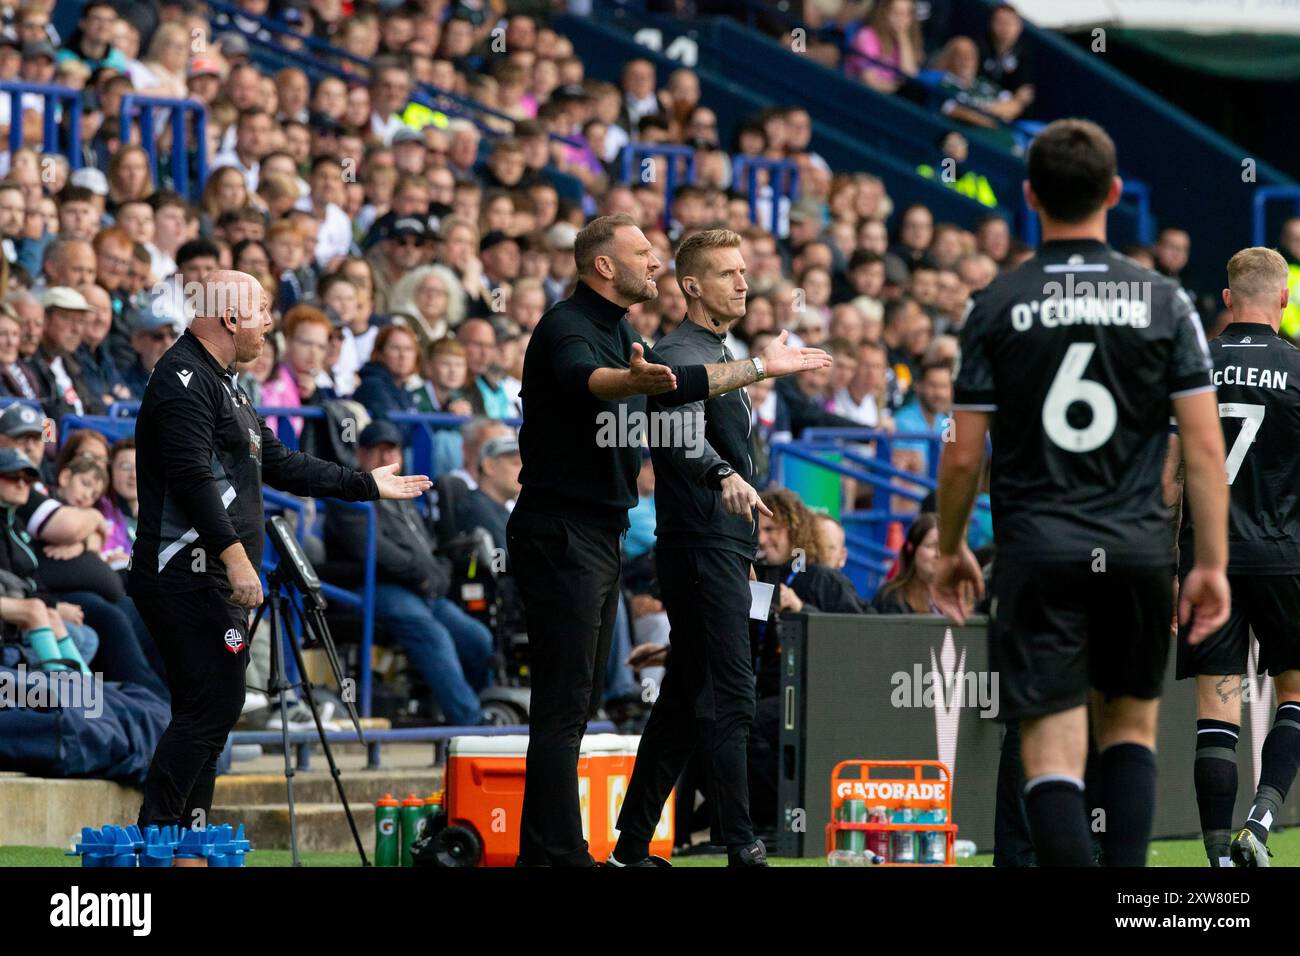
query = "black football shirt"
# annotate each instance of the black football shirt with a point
(1257, 374)
(1076, 355)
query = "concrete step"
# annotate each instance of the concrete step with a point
(36, 811)
(321, 826)
(363, 787)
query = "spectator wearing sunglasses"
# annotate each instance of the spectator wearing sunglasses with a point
(154, 334)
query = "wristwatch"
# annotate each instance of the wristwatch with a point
(760, 368)
(719, 473)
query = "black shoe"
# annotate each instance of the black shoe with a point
(644, 861)
(753, 855)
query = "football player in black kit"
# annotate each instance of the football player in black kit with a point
(1257, 373)
(1074, 361)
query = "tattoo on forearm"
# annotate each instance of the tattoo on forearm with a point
(728, 376)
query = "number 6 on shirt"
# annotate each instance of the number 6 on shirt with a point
(1069, 386)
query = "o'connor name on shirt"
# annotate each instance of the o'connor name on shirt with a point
(1254, 377)
(1086, 303)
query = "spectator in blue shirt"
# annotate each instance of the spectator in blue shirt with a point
(641, 535)
(927, 413)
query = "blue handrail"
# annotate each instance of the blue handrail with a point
(180, 160)
(1133, 189)
(53, 99)
(1258, 206)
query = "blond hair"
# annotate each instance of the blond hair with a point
(1256, 272)
(690, 254)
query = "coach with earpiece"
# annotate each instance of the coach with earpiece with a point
(202, 454)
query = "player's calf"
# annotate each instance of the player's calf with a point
(1214, 773)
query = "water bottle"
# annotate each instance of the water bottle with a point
(934, 843)
(964, 849)
(412, 811)
(46, 647)
(387, 814)
(904, 841)
(849, 844)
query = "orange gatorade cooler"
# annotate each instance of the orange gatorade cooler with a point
(485, 794)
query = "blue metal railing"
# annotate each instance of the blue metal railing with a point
(635, 155)
(53, 98)
(328, 59)
(1134, 190)
(782, 184)
(142, 107)
(1259, 209)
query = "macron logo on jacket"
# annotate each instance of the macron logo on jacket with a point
(185, 377)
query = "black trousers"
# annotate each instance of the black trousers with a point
(1012, 844)
(568, 577)
(707, 698)
(203, 639)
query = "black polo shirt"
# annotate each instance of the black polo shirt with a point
(580, 456)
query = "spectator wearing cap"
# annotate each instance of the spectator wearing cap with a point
(22, 427)
(410, 155)
(402, 247)
(17, 378)
(55, 362)
(38, 611)
(91, 43)
(559, 243)
(154, 334)
(488, 506)
(203, 79)
(450, 650)
(100, 373)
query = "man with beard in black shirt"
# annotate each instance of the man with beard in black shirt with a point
(1257, 373)
(1074, 360)
(584, 423)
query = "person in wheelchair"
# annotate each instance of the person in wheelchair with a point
(450, 649)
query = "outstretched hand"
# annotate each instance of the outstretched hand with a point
(393, 485)
(782, 359)
(646, 378)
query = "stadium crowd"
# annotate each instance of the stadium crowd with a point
(411, 253)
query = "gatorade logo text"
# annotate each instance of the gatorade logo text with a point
(880, 791)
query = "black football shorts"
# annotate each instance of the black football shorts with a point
(1058, 630)
(1269, 605)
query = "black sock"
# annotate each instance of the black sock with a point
(1128, 789)
(1278, 761)
(1215, 774)
(1058, 821)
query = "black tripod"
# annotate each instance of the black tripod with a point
(311, 618)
